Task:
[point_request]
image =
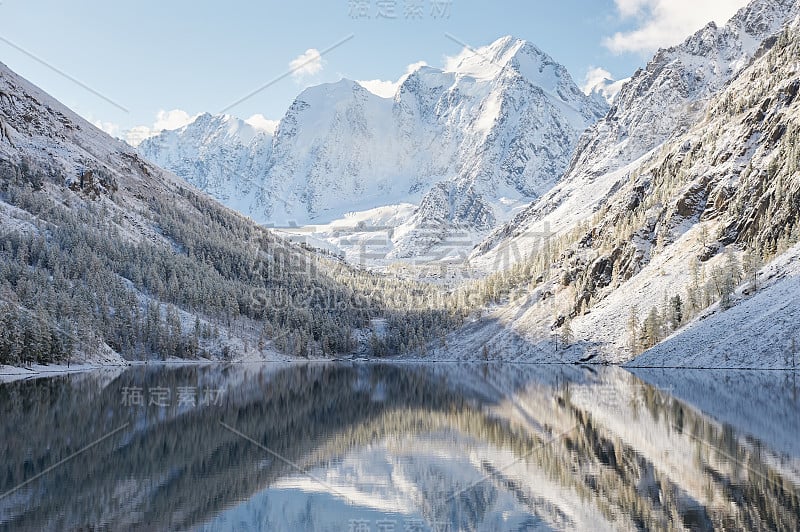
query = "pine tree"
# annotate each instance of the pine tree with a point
(732, 266)
(752, 264)
(633, 330)
(652, 328)
(704, 236)
(676, 312)
(728, 285)
(693, 291)
(566, 333)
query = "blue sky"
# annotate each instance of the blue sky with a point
(157, 64)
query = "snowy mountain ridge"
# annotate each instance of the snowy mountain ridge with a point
(468, 146)
(672, 250)
(222, 153)
(692, 172)
(93, 234)
(659, 102)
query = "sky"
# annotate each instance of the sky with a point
(135, 68)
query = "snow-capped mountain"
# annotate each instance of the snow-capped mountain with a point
(221, 155)
(660, 101)
(468, 146)
(118, 242)
(679, 235)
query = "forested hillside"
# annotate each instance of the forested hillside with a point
(103, 254)
(687, 230)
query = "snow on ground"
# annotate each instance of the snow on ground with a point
(667, 274)
(759, 331)
(379, 237)
(521, 330)
(16, 373)
(14, 219)
(569, 203)
(361, 237)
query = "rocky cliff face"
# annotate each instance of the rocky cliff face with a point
(660, 102)
(690, 218)
(221, 155)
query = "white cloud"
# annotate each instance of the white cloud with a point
(174, 119)
(109, 127)
(629, 8)
(384, 89)
(611, 90)
(413, 67)
(135, 135)
(600, 81)
(451, 62)
(306, 64)
(258, 121)
(594, 77)
(387, 89)
(662, 23)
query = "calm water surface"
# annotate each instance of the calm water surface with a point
(380, 447)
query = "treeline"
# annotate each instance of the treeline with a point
(183, 277)
(704, 289)
(175, 274)
(755, 207)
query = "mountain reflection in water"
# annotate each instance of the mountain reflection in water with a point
(382, 447)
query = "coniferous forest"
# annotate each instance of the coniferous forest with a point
(72, 281)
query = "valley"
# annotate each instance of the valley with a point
(552, 225)
(484, 296)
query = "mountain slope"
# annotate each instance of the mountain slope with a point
(684, 226)
(713, 205)
(760, 327)
(220, 155)
(659, 102)
(467, 146)
(105, 255)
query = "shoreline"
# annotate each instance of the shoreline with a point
(16, 373)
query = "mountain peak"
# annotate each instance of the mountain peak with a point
(503, 123)
(489, 61)
(507, 48)
(207, 122)
(662, 100)
(327, 93)
(512, 58)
